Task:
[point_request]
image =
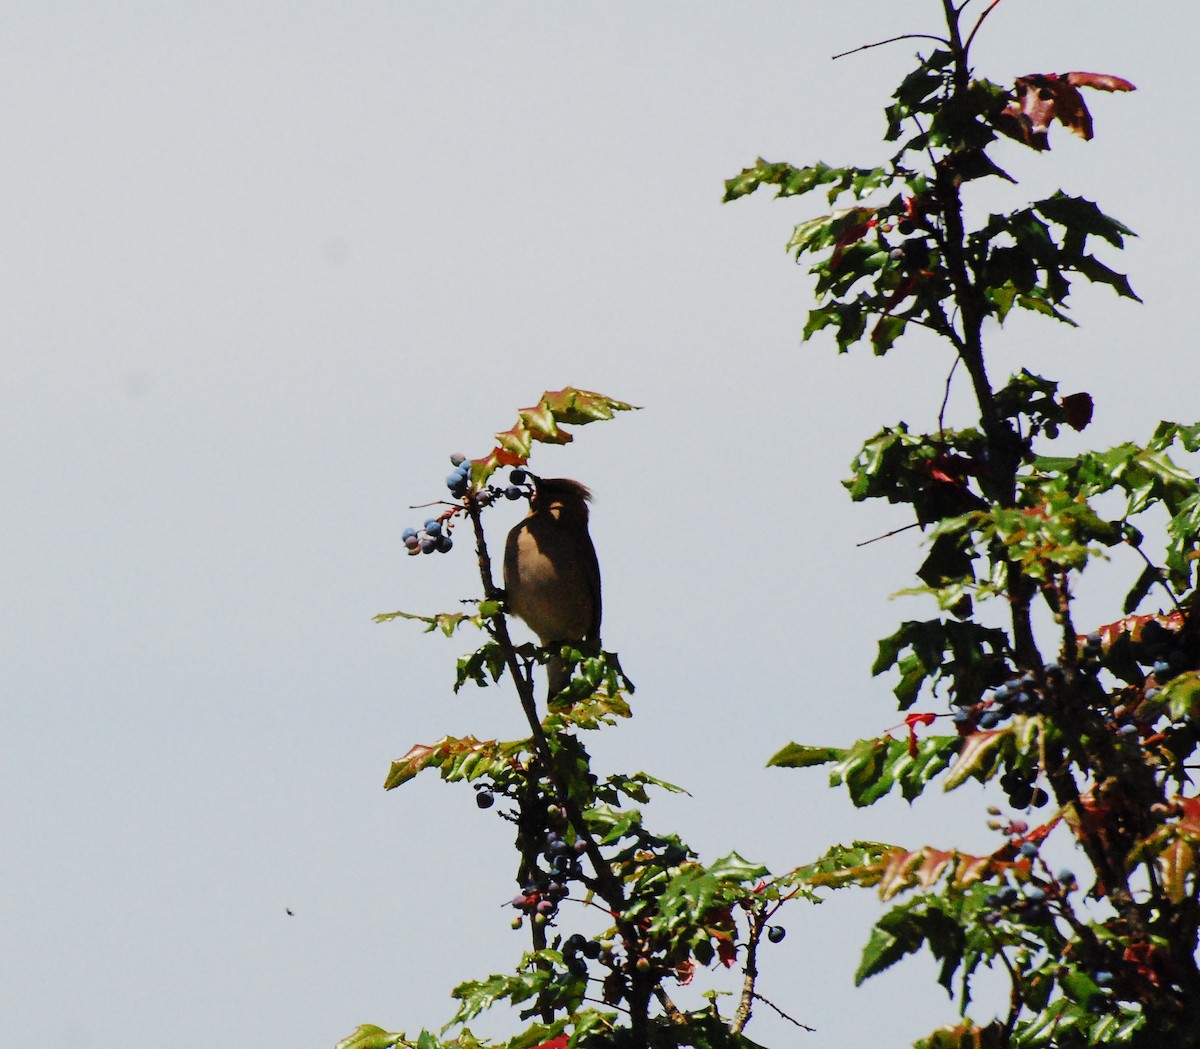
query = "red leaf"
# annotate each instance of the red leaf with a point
(912, 721)
(1100, 81)
(727, 952)
(555, 1043)
(1042, 98)
(850, 235)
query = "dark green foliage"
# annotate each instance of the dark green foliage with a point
(1100, 720)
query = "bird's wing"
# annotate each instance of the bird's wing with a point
(591, 567)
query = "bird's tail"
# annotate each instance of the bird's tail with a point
(558, 673)
(559, 670)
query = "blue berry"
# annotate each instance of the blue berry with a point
(1035, 893)
(408, 533)
(428, 546)
(1037, 914)
(518, 476)
(444, 544)
(411, 541)
(989, 719)
(433, 529)
(1103, 978)
(513, 492)
(776, 933)
(1066, 877)
(1028, 849)
(1161, 670)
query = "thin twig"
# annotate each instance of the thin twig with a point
(790, 1019)
(892, 40)
(1160, 580)
(888, 535)
(946, 398)
(978, 23)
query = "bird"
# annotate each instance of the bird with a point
(551, 573)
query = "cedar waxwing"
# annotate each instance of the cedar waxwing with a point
(551, 575)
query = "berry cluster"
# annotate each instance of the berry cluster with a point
(913, 252)
(515, 480)
(433, 536)
(1162, 651)
(540, 898)
(459, 481)
(1018, 695)
(1022, 790)
(575, 950)
(1010, 902)
(1031, 902)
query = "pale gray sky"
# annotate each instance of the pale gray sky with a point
(266, 266)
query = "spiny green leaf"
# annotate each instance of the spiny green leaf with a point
(446, 622)
(735, 868)
(368, 1036)
(853, 864)
(799, 756)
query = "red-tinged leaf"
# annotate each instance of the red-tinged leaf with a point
(1100, 81)
(975, 750)
(1077, 410)
(850, 235)
(1041, 98)
(541, 422)
(912, 721)
(1189, 810)
(456, 758)
(555, 1043)
(1028, 116)
(897, 872)
(1148, 960)
(1072, 111)
(934, 865)
(727, 952)
(919, 719)
(971, 869)
(684, 972)
(1175, 863)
